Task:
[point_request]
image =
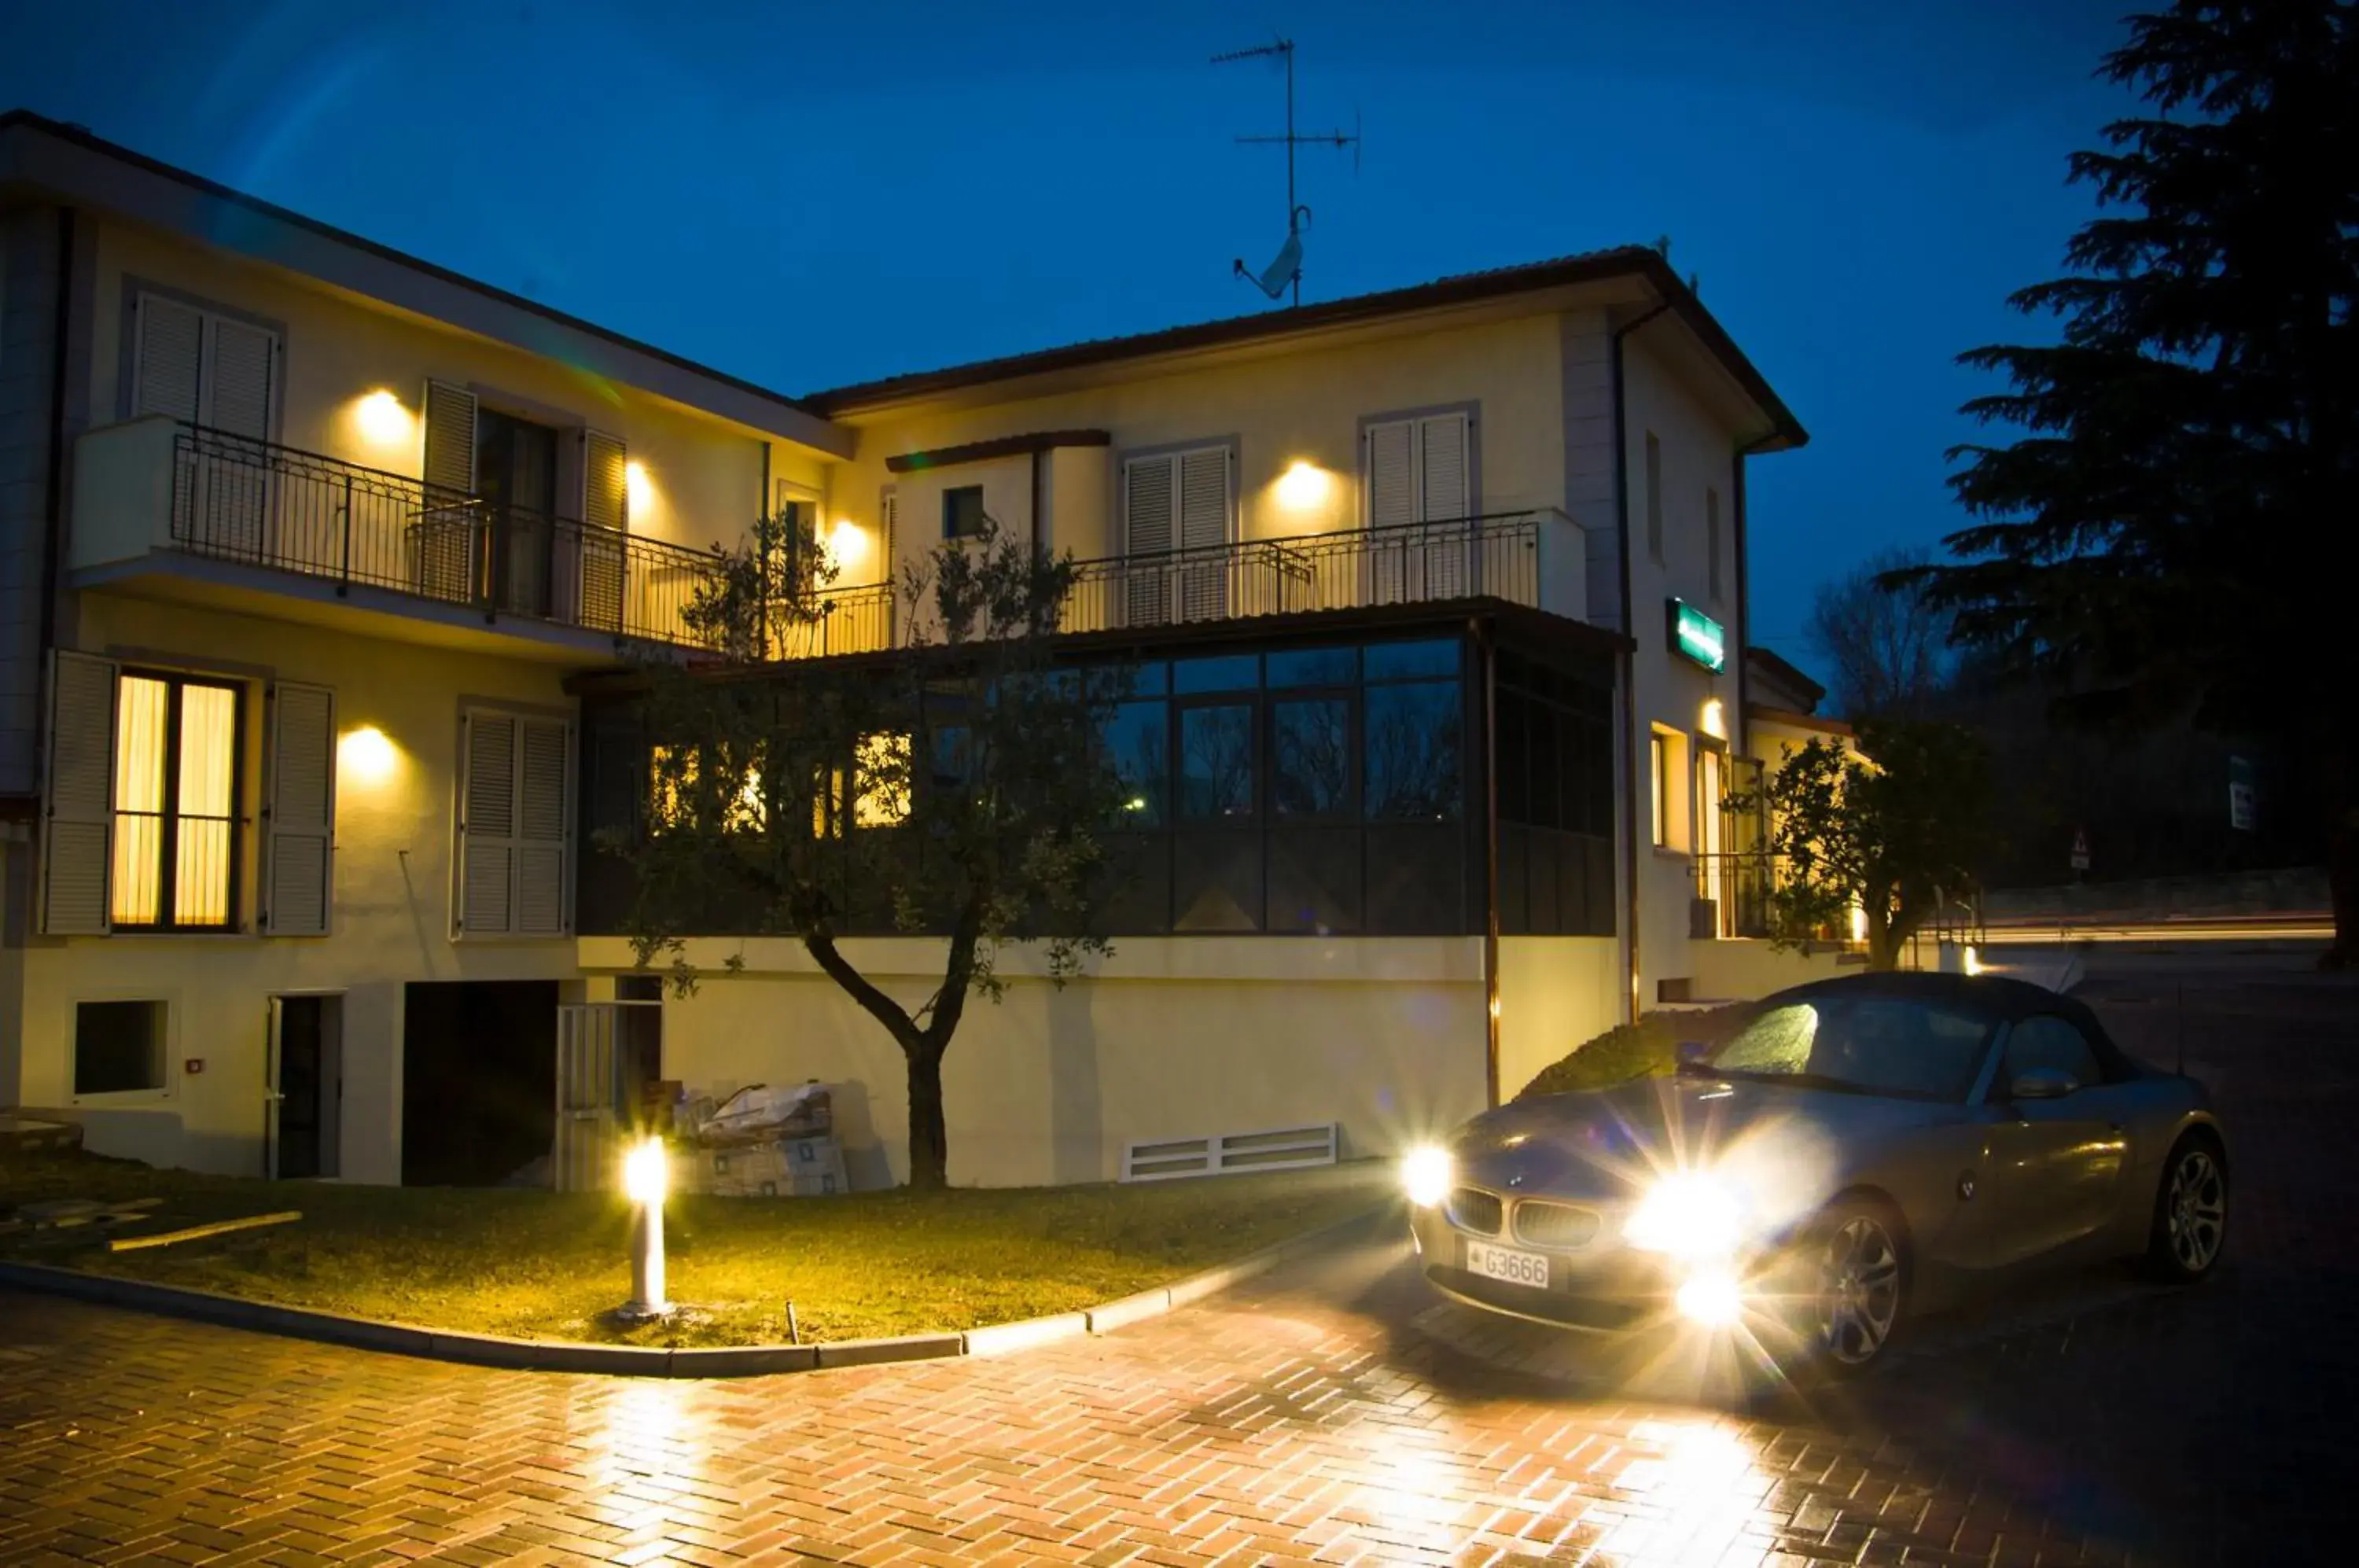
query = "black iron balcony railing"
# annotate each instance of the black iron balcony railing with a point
(1498, 556)
(1737, 883)
(234, 499)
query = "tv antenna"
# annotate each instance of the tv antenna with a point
(1287, 270)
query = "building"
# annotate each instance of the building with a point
(315, 555)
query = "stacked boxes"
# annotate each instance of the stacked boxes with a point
(765, 1143)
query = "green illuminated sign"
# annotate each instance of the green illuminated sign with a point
(1698, 636)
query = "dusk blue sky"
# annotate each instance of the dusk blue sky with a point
(807, 196)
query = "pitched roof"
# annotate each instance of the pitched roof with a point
(196, 185)
(1639, 262)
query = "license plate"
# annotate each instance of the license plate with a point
(1501, 1263)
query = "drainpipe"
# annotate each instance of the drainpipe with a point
(1482, 630)
(1629, 658)
(1743, 585)
(53, 500)
(1037, 455)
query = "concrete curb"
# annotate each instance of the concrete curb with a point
(656, 1361)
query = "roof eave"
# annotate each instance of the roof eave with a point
(68, 163)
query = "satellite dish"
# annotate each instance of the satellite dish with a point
(1274, 279)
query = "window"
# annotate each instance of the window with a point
(1136, 738)
(1658, 748)
(2047, 1042)
(881, 771)
(118, 1047)
(1654, 498)
(1172, 502)
(1878, 1045)
(146, 819)
(1419, 469)
(1216, 762)
(962, 513)
(516, 825)
(1711, 543)
(176, 807)
(1412, 751)
(1311, 766)
(203, 366)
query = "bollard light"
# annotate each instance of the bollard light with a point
(646, 1172)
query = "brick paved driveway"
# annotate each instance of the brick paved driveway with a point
(1328, 1413)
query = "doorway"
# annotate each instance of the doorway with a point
(306, 1081)
(516, 476)
(478, 1081)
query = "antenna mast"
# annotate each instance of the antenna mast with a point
(1296, 215)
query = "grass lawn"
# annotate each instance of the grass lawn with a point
(546, 1265)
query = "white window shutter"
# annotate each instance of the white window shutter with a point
(300, 875)
(1392, 483)
(241, 367)
(487, 826)
(605, 492)
(171, 348)
(1205, 497)
(606, 512)
(78, 829)
(449, 455)
(1149, 494)
(542, 823)
(1442, 468)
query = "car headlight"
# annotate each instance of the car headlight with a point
(1425, 1173)
(1689, 1215)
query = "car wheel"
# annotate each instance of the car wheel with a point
(2191, 1212)
(1854, 1271)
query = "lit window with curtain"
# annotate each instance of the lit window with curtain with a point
(176, 805)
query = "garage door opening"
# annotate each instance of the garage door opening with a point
(478, 1081)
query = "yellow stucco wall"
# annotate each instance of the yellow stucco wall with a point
(1171, 1038)
(1747, 970)
(392, 924)
(704, 475)
(1697, 453)
(1555, 993)
(1305, 406)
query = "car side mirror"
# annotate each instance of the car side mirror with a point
(2043, 1083)
(1691, 1050)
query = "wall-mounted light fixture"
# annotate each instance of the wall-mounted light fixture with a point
(1713, 719)
(847, 545)
(383, 420)
(638, 486)
(366, 757)
(1304, 486)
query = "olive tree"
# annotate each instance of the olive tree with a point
(1893, 829)
(952, 787)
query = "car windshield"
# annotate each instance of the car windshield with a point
(1870, 1045)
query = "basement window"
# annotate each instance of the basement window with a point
(118, 1047)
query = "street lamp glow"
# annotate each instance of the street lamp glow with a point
(647, 1173)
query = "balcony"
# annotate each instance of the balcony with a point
(175, 510)
(172, 510)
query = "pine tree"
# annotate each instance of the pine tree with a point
(2160, 534)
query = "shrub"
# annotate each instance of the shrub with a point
(1647, 1049)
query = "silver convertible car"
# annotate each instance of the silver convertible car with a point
(1858, 1150)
